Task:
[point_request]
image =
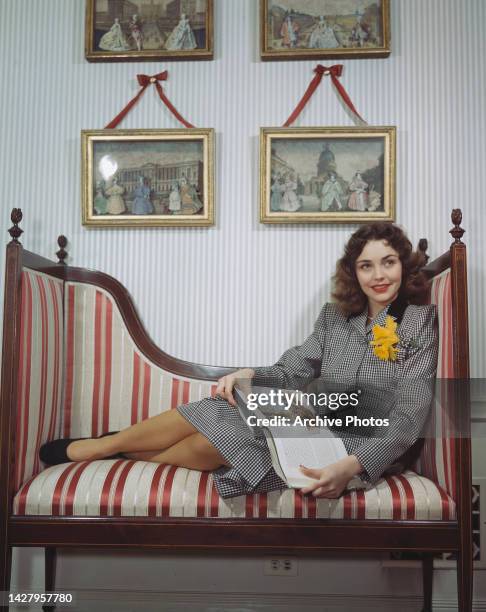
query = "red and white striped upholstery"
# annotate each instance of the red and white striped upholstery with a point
(41, 364)
(437, 459)
(118, 487)
(108, 385)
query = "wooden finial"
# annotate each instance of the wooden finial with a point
(15, 231)
(457, 231)
(62, 254)
(423, 245)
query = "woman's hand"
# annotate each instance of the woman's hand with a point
(332, 480)
(226, 383)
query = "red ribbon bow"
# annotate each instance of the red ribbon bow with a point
(334, 72)
(144, 81)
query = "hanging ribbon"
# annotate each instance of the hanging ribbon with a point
(334, 72)
(145, 81)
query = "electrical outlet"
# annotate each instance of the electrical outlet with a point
(280, 566)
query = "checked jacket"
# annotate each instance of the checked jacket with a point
(337, 357)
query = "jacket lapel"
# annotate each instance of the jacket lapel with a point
(359, 321)
(396, 310)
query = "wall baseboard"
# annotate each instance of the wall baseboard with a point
(144, 601)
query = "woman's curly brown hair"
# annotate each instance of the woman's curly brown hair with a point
(347, 291)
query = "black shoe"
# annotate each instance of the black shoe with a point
(54, 452)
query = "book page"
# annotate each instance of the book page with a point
(315, 451)
(314, 447)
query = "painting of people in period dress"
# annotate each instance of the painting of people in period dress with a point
(148, 29)
(293, 29)
(327, 174)
(166, 180)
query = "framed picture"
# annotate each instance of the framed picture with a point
(148, 178)
(308, 29)
(141, 30)
(327, 175)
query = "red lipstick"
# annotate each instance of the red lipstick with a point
(380, 288)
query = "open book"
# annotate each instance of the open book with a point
(289, 444)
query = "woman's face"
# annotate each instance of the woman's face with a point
(379, 273)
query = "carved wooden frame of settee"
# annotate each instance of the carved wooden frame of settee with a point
(247, 535)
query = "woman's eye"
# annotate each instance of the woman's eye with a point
(388, 263)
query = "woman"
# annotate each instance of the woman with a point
(190, 202)
(116, 203)
(175, 199)
(322, 36)
(358, 200)
(182, 36)
(141, 203)
(100, 202)
(290, 201)
(378, 276)
(277, 189)
(114, 39)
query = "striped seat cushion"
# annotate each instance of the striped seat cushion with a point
(122, 487)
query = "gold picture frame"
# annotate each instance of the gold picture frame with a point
(150, 30)
(327, 174)
(295, 29)
(148, 178)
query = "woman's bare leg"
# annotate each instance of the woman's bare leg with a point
(153, 434)
(194, 452)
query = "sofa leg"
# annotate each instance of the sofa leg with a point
(427, 578)
(465, 577)
(50, 573)
(5, 571)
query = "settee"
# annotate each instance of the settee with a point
(77, 361)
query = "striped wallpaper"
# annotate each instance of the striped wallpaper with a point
(241, 292)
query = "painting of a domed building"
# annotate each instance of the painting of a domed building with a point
(327, 174)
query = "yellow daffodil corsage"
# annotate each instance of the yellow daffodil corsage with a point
(385, 339)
